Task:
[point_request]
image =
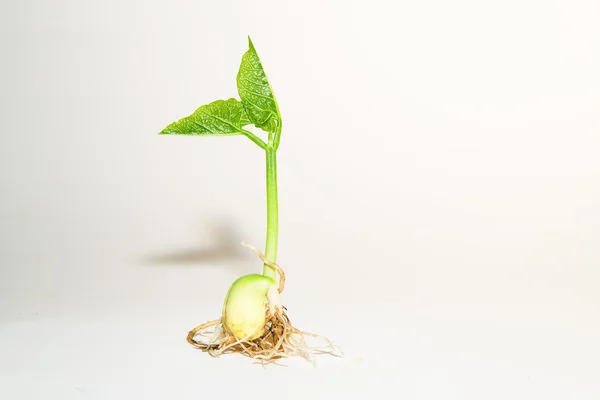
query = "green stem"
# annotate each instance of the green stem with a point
(272, 205)
(272, 213)
(254, 138)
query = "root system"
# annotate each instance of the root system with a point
(280, 339)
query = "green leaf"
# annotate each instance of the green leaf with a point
(256, 93)
(221, 117)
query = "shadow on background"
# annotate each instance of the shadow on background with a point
(222, 248)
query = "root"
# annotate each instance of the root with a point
(280, 339)
(270, 264)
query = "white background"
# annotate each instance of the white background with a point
(439, 197)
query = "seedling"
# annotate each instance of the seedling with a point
(253, 320)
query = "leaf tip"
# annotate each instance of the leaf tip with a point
(250, 44)
(169, 130)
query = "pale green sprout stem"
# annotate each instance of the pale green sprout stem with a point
(272, 204)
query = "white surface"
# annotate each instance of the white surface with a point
(439, 197)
